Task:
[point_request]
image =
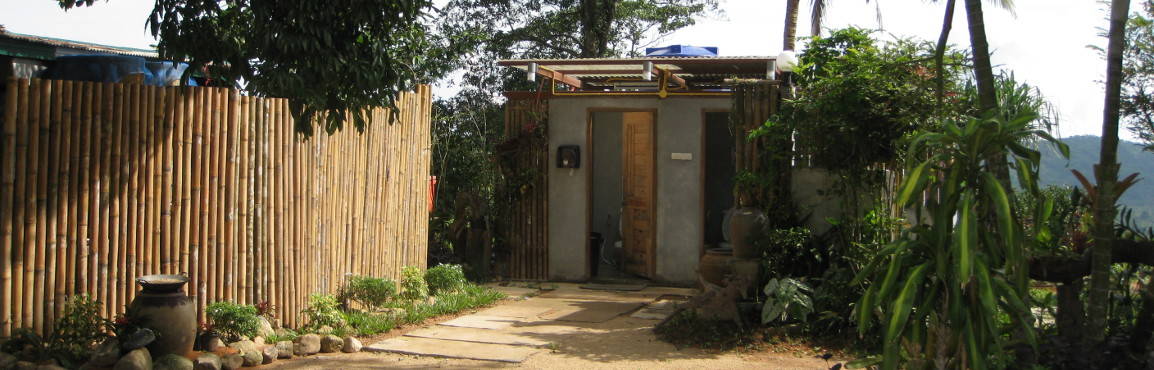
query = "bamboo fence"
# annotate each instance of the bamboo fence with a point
(526, 230)
(101, 183)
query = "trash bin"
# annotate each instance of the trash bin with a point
(595, 241)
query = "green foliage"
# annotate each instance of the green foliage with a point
(1138, 75)
(79, 328)
(445, 278)
(233, 320)
(323, 310)
(370, 292)
(369, 323)
(332, 59)
(785, 300)
(413, 286)
(788, 252)
(283, 334)
(25, 344)
(858, 99)
(939, 289)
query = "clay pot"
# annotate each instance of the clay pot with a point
(742, 223)
(163, 307)
(715, 265)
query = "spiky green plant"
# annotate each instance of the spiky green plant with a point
(939, 289)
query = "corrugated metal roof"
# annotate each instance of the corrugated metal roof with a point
(79, 45)
(685, 67)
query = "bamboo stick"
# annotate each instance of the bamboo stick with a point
(32, 236)
(230, 197)
(52, 202)
(113, 221)
(64, 210)
(208, 222)
(75, 231)
(23, 148)
(7, 192)
(244, 259)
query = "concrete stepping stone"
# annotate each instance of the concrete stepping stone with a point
(656, 311)
(592, 312)
(477, 335)
(513, 291)
(523, 311)
(481, 322)
(454, 349)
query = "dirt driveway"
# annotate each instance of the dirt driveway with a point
(567, 328)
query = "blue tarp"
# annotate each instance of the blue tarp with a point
(113, 68)
(682, 51)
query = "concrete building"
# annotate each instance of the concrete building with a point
(640, 156)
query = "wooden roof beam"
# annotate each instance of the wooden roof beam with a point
(671, 77)
(559, 77)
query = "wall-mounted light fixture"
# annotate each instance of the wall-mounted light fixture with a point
(532, 69)
(787, 61)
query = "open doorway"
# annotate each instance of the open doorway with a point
(719, 173)
(622, 192)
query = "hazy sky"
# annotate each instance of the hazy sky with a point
(1043, 41)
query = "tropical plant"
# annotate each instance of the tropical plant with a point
(323, 310)
(79, 328)
(370, 292)
(939, 288)
(413, 286)
(232, 320)
(786, 299)
(1138, 75)
(445, 278)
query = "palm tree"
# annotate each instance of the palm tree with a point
(1107, 176)
(790, 33)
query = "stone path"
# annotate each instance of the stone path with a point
(515, 331)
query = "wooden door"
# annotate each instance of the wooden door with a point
(637, 213)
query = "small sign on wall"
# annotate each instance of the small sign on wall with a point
(682, 156)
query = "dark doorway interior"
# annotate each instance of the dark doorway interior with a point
(719, 173)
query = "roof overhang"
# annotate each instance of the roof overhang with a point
(675, 73)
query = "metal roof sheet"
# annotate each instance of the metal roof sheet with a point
(86, 46)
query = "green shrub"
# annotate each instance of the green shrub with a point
(785, 300)
(445, 278)
(365, 323)
(233, 320)
(77, 331)
(413, 283)
(283, 334)
(323, 310)
(370, 292)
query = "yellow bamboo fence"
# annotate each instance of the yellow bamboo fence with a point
(101, 183)
(526, 225)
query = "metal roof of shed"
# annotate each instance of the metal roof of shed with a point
(690, 68)
(75, 45)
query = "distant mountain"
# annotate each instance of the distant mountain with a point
(1084, 154)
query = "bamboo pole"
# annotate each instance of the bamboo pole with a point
(64, 208)
(31, 318)
(52, 201)
(220, 215)
(230, 197)
(7, 210)
(245, 258)
(208, 219)
(114, 247)
(20, 204)
(75, 231)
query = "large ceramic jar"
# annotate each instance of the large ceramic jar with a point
(715, 265)
(742, 222)
(163, 307)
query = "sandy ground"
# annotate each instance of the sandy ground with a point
(621, 343)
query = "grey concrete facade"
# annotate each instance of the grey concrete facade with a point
(678, 201)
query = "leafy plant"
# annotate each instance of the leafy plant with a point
(788, 252)
(785, 300)
(445, 278)
(413, 284)
(282, 334)
(266, 309)
(79, 328)
(323, 310)
(233, 320)
(370, 292)
(940, 287)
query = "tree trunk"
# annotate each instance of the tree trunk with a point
(1107, 175)
(984, 74)
(596, 25)
(790, 24)
(1070, 311)
(940, 52)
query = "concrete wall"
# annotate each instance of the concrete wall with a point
(679, 192)
(812, 189)
(606, 179)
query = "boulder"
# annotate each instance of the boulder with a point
(325, 330)
(213, 344)
(264, 328)
(138, 339)
(137, 359)
(269, 353)
(351, 345)
(259, 341)
(284, 349)
(331, 343)
(105, 354)
(308, 344)
(7, 361)
(25, 365)
(207, 361)
(231, 362)
(172, 362)
(50, 367)
(248, 351)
